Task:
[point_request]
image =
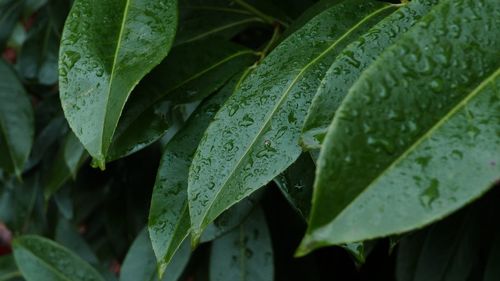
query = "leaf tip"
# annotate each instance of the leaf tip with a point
(98, 162)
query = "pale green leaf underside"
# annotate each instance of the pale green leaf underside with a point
(106, 48)
(417, 136)
(245, 253)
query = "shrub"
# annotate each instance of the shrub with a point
(249, 140)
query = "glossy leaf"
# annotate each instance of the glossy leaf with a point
(16, 122)
(140, 262)
(254, 137)
(245, 253)
(191, 72)
(107, 47)
(40, 259)
(349, 65)
(417, 136)
(169, 221)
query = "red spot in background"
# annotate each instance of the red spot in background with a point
(28, 23)
(5, 240)
(115, 267)
(9, 55)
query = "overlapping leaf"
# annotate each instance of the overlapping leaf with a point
(107, 47)
(254, 137)
(169, 221)
(140, 262)
(245, 253)
(350, 64)
(417, 136)
(191, 72)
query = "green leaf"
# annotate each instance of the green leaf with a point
(140, 262)
(107, 47)
(445, 251)
(16, 122)
(18, 202)
(204, 19)
(417, 136)
(296, 184)
(169, 217)
(68, 236)
(74, 153)
(68, 160)
(40, 259)
(245, 253)
(231, 218)
(349, 65)
(8, 269)
(39, 54)
(10, 13)
(254, 137)
(190, 72)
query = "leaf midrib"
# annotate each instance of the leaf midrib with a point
(424, 137)
(47, 265)
(112, 76)
(283, 97)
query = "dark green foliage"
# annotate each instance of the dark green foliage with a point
(249, 140)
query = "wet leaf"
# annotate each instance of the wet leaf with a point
(254, 137)
(417, 136)
(245, 253)
(191, 72)
(16, 122)
(169, 221)
(40, 259)
(140, 262)
(349, 65)
(107, 47)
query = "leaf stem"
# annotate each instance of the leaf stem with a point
(266, 18)
(271, 43)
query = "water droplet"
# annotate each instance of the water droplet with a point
(430, 194)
